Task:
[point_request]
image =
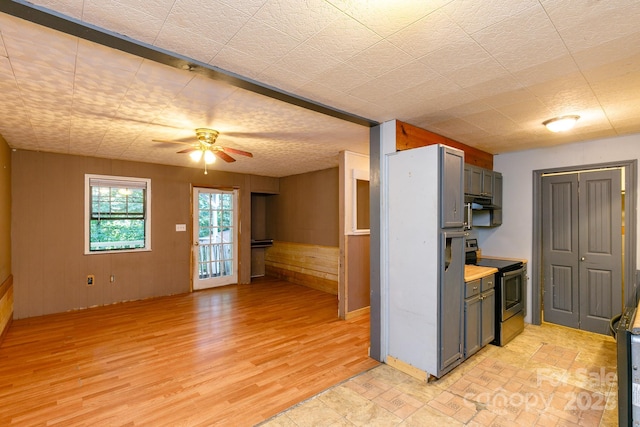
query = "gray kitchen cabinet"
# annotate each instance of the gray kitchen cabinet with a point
(488, 308)
(487, 183)
(473, 180)
(495, 218)
(497, 189)
(472, 318)
(479, 314)
(489, 195)
(452, 185)
(478, 181)
(491, 217)
(451, 295)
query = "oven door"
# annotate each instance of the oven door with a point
(512, 287)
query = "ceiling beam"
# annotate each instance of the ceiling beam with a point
(74, 27)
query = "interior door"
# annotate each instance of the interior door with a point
(582, 248)
(600, 249)
(215, 237)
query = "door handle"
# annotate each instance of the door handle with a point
(581, 258)
(196, 244)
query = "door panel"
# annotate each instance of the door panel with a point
(451, 298)
(488, 316)
(562, 288)
(473, 325)
(215, 238)
(600, 249)
(560, 249)
(452, 181)
(582, 248)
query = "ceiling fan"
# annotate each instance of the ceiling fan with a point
(205, 148)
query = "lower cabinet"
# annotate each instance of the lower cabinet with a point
(488, 309)
(472, 324)
(479, 314)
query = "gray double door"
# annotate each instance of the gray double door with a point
(582, 248)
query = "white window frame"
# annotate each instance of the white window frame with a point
(357, 175)
(87, 211)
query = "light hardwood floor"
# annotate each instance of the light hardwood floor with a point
(230, 356)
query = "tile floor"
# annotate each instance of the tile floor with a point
(547, 376)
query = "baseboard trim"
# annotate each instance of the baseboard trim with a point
(408, 369)
(357, 313)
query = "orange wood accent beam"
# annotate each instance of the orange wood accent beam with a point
(409, 136)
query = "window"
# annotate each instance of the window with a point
(117, 214)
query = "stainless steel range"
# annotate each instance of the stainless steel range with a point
(511, 287)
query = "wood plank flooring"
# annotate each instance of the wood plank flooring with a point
(229, 356)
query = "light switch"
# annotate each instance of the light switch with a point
(181, 227)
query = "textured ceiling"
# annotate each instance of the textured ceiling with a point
(484, 72)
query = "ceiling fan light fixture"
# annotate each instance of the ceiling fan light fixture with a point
(207, 136)
(196, 155)
(209, 157)
(562, 123)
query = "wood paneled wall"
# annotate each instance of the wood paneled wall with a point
(6, 278)
(49, 266)
(314, 266)
(306, 209)
(409, 136)
(6, 306)
(303, 221)
(357, 273)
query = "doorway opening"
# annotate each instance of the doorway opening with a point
(584, 254)
(215, 237)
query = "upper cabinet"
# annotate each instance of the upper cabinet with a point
(483, 187)
(495, 216)
(452, 187)
(496, 195)
(478, 181)
(487, 183)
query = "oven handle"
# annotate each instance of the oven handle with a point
(512, 273)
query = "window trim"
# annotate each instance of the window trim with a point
(136, 182)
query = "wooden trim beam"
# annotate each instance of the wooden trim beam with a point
(409, 136)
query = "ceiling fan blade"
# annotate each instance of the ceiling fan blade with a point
(224, 156)
(187, 150)
(187, 141)
(236, 151)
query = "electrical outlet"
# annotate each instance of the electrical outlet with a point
(91, 279)
(181, 227)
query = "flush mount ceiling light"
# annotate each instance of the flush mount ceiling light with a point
(561, 124)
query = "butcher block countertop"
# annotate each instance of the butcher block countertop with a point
(474, 272)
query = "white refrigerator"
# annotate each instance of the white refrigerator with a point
(426, 258)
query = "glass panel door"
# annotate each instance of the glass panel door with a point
(215, 237)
